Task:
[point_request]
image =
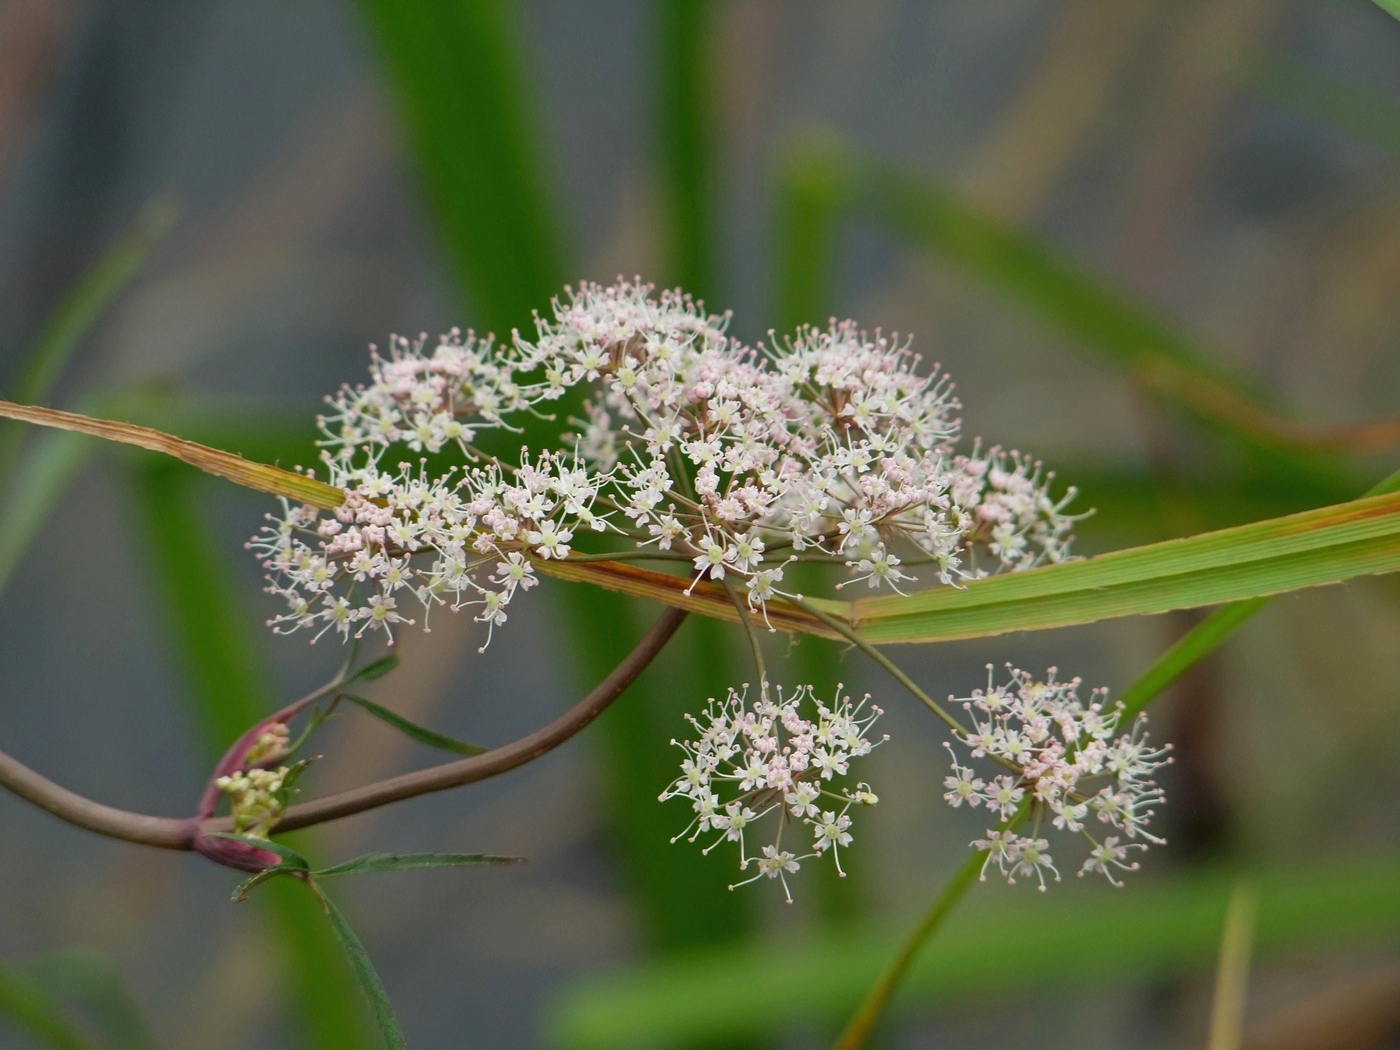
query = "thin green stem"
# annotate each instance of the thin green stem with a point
(754, 642)
(849, 633)
(858, 1028)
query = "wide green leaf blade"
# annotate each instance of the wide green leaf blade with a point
(1002, 943)
(1302, 550)
(375, 862)
(368, 978)
(413, 730)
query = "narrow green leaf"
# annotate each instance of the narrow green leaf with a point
(1390, 7)
(257, 476)
(76, 314)
(1121, 330)
(85, 303)
(241, 891)
(32, 1010)
(375, 669)
(370, 983)
(1003, 943)
(53, 462)
(291, 856)
(1232, 969)
(412, 729)
(374, 862)
(93, 982)
(293, 774)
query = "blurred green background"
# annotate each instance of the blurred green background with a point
(1155, 243)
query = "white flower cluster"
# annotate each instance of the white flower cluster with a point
(750, 762)
(405, 534)
(830, 447)
(427, 400)
(1067, 763)
(830, 442)
(256, 797)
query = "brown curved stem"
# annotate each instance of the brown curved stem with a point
(498, 760)
(165, 832)
(179, 833)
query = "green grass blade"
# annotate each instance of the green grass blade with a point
(460, 84)
(1195, 645)
(686, 141)
(54, 460)
(376, 862)
(93, 982)
(859, 1028)
(1120, 329)
(370, 984)
(73, 320)
(26, 1006)
(1003, 943)
(1390, 7)
(218, 659)
(411, 729)
(1232, 969)
(87, 301)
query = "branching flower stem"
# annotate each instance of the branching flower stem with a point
(180, 833)
(850, 634)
